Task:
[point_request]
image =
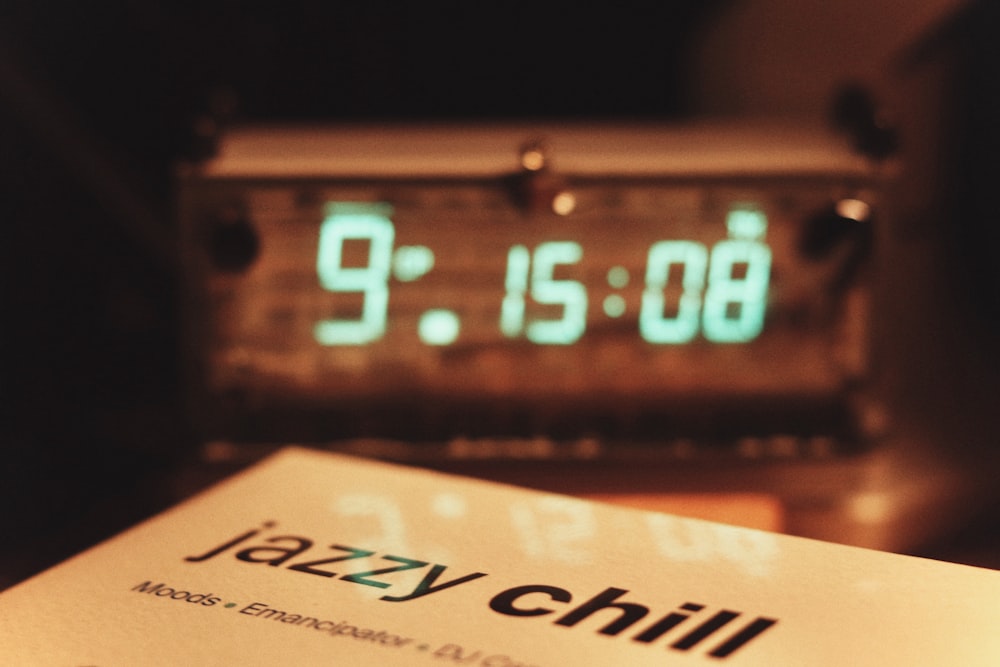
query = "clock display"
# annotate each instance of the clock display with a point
(659, 306)
(718, 293)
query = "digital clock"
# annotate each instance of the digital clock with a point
(720, 294)
(633, 284)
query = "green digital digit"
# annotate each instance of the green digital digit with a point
(736, 299)
(570, 294)
(516, 284)
(363, 222)
(544, 289)
(654, 325)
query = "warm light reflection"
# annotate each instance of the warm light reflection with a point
(564, 203)
(533, 159)
(854, 209)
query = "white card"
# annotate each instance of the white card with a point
(319, 559)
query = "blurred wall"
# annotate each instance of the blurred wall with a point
(786, 57)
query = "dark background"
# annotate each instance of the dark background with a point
(99, 103)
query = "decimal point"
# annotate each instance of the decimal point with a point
(438, 327)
